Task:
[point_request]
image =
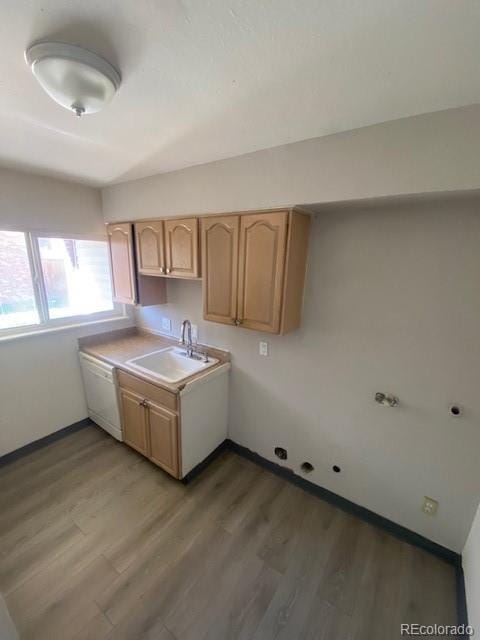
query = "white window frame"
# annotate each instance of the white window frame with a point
(45, 324)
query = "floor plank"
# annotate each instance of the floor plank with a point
(99, 544)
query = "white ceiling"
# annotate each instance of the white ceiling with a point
(210, 79)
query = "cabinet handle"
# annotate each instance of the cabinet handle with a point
(238, 322)
(162, 269)
(143, 403)
(167, 270)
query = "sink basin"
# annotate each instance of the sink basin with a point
(171, 364)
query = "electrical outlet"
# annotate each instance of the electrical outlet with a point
(430, 506)
(263, 348)
(167, 325)
(194, 332)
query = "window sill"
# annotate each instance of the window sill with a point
(65, 327)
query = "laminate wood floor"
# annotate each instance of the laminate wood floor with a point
(98, 543)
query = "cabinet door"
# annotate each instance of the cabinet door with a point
(163, 429)
(181, 248)
(134, 421)
(150, 248)
(261, 267)
(121, 260)
(220, 268)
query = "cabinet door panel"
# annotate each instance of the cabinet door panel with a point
(121, 260)
(261, 268)
(134, 421)
(163, 438)
(150, 249)
(181, 247)
(220, 268)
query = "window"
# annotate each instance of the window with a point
(76, 276)
(45, 280)
(17, 295)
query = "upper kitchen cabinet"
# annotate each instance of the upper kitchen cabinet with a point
(122, 261)
(254, 269)
(168, 248)
(220, 268)
(260, 270)
(128, 287)
(150, 248)
(181, 248)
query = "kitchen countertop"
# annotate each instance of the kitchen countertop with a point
(117, 347)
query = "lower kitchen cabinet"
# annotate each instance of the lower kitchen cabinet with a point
(134, 420)
(176, 431)
(163, 429)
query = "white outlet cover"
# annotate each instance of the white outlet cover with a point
(167, 324)
(430, 506)
(263, 348)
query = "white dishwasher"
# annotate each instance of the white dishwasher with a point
(101, 394)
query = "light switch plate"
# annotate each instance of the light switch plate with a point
(167, 325)
(263, 348)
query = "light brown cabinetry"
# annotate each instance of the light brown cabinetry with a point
(163, 428)
(254, 269)
(128, 286)
(122, 261)
(149, 424)
(134, 423)
(181, 248)
(150, 248)
(260, 270)
(220, 268)
(168, 248)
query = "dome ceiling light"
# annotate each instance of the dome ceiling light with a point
(77, 79)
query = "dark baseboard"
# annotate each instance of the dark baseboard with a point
(462, 613)
(191, 475)
(325, 494)
(43, 442)
(452, 557)
(350, 507)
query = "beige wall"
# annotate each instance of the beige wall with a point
(392, 304)
(430, 153)
(36, 202)
(471, 567)
(42, 391)
(40, 384)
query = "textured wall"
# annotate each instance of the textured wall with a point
(40, 384)
(392, 304)
(423, 154)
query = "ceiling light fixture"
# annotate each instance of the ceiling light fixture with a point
(77, 79)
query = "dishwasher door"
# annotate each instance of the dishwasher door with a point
(101, 394)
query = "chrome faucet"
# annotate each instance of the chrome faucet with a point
(190, 352)
(186, 324)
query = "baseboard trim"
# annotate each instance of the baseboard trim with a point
(43, 442)
(402, 533)
(346, 505)
(462, 613)
(197, 470)
(350, 507)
